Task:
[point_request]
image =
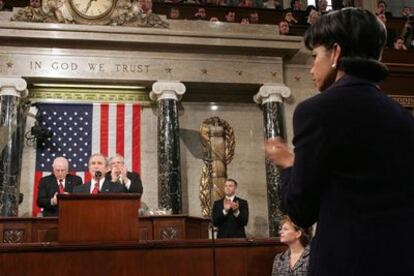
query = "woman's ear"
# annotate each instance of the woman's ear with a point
(335, 55)
(299, 234)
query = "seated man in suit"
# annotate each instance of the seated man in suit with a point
(57, 183)
(119, 174)
(231, 213)
(98, 166)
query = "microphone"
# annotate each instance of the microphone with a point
(98, 174)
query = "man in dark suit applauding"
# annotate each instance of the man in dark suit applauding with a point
(231, 213)
(98, 166)
(119, 174)
(57, 183)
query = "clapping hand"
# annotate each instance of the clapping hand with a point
(278, 152)
(235, 206)
(227, 204)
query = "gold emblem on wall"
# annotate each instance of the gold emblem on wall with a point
(217, 138)
(136, 13)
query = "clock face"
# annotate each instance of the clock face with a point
(92, 9)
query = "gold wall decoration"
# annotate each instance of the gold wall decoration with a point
(136, 13)
(75, 94)
(404, 100)
(217, 138)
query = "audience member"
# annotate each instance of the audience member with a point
(1, 5)
(288, 17)
(323, 6)
(407, 12)
(399, 44)
(284, 28)
(254, 17)
(200, 14)
(98, 167)
(230, 214)
(230, 16)
(59, 182)
(119, 174)
(244, 20)
(214, 19)
(35, 3)
(313, 17)
(305, 16)
(347, 3)
(381, 6)
(295, 260)
(174, 13)
(408, 33)
(246, 4)
(296, 5)
(352, 172)
(271, 4)
(391, 34)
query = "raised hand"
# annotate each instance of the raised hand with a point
(278, 152)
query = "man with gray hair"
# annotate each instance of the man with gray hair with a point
(98, 167)
(60, 182)
(119, 174)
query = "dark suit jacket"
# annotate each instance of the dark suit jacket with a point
(353, 174)
(107, 187)
(48, 186)
(230, 226)
(136, 183)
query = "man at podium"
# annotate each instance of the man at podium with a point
(98, 167)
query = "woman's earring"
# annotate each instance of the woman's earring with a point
(333, 66)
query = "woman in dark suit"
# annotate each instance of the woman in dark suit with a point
(352, 170)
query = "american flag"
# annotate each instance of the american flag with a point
(80, 130)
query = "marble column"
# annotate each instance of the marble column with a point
(12, 90)
(271, 98)
(167, 94)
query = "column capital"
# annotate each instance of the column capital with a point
(162, 90)
(272, 92)
(13, 87)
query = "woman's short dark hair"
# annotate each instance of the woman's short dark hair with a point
(358, 32)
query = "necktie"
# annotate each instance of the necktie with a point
(61, 188)
(95, 188)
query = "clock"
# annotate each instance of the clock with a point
(92, 9)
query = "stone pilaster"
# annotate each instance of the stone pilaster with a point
(167, 94)
(12, 90)
(271, 97)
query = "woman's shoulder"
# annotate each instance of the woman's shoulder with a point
(282, 256)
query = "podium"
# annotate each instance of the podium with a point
(85, 218)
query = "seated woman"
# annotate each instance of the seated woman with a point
(295, 260)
